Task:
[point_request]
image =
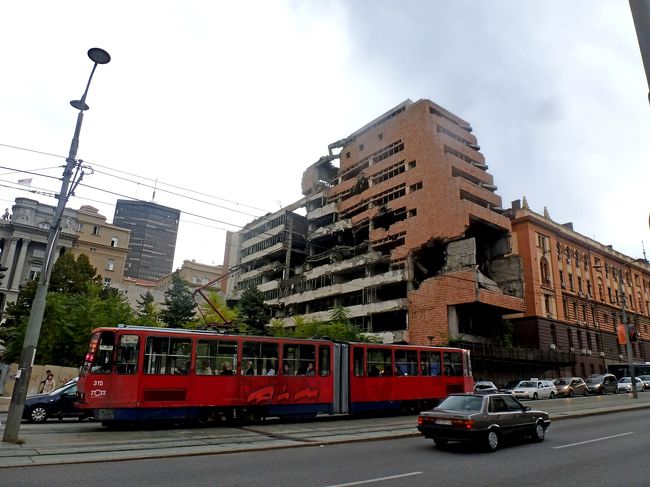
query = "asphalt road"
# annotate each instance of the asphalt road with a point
(597, 451)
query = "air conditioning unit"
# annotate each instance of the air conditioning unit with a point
(563, 285)
(572, 350)
(620, 357)
(602, 354)
(580, 294)
(588, 352)
(552, 346)
(589, 296)
(583, 351)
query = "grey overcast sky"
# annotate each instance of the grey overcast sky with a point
(233, 100)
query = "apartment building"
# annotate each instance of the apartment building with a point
(573, 298)
(402, 226)
(105, 244)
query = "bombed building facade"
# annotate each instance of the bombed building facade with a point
(400, 224)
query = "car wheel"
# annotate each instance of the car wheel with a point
(552, 396)
(570, 392)
(37, 414)
(492, 440)
(540, 432)
(440, 443)
(601, 391)
(534, 396)
(585, 393)
(616, 391)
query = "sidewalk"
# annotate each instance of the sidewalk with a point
(74, 441)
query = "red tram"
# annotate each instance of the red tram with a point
(141, 373)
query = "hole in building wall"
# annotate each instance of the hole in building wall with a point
(428, 260)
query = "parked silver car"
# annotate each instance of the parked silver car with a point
(625, 384)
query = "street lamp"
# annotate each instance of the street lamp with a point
(23, 375)
(628, 331)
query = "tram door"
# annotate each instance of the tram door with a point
(341, 378)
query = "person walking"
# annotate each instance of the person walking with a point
(49, 384)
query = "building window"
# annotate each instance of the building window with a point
(114, 242)
(565, 308)
(95, 230)
(579, 284)
(412, 165)
(545, 271)
(110, 265)
(380, 136)
(570, 337)
(107, 281)
(415, 187)
(34, 274)
(347, 155)
(360, 146)
(571, 282)
(562, 280)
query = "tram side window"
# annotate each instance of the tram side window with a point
(380, 362)
(259, 358)
(323, 360)
(453, 363)
(215, 357)
(357, 358)
(126, 356)
(100, 352)
(300, 359)
(430, 363)
(406, 362)
(167, 355)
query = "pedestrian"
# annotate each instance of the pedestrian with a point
(49, 384)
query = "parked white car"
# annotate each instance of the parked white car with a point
(535, 389)
(625, 384)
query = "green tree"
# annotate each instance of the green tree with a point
(179, 306)
(146, 311)
(210, 317)
(70, 275)
(253, 313)
(337, 328)
(69, 316)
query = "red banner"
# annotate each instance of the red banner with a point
(622, 335)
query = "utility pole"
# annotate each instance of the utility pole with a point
(23, 375)
(628, 333)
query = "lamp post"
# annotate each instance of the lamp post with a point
(23, 375)
(628, 341)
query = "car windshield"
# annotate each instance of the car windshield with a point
(561, 382)
(527, 384)
(484, 385)
(461, 403)
(511, 384)
(595, 379)
(625, 379)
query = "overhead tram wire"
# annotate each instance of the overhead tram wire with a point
(137, 176)
(137, 199)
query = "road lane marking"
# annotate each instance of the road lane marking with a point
(594, 440)
(379, 479)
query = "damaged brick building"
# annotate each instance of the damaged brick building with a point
(401, 225)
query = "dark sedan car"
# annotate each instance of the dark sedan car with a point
(56, 404)
(484, 419)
